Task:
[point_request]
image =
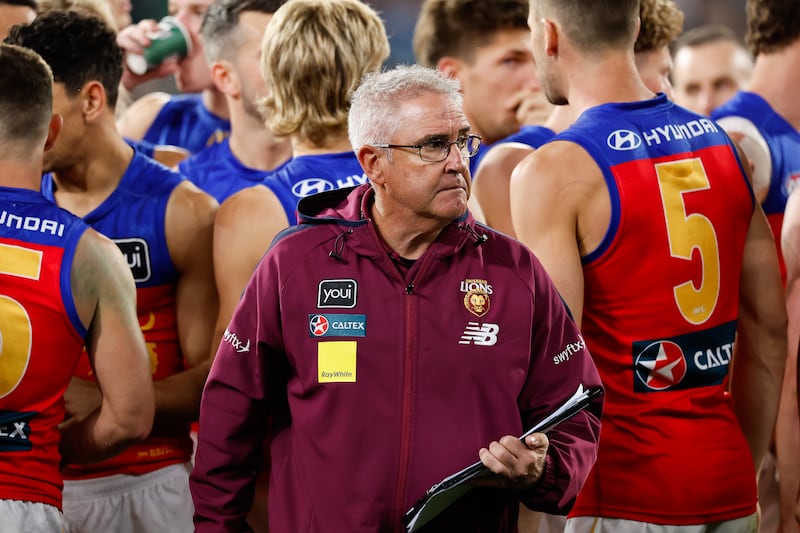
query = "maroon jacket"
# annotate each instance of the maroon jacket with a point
(380, 386)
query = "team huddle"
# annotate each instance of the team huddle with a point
(308, 287)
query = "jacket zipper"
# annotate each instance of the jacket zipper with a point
(405, 413)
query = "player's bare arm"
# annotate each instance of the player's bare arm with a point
(557, 213)
(105, 297)
(752, 143)
(491, 186)
(760, 350)
(787, 428)
(189, 231)
(245, 226)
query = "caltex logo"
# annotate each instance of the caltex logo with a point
(661, 365)
(318, 325)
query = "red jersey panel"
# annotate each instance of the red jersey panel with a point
(659, 317)
(41, 339)
(167, 443)
(133, 216)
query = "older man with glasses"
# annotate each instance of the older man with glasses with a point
(393, 341)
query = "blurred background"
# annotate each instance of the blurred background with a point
(400, 17)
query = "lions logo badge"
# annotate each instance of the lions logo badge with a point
(476, 297)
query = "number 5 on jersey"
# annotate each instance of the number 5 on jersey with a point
(688, 232)
(15, 323)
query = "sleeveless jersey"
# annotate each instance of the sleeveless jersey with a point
(184, 121)
(41, 340)
(784, 149)
(533, 136)
(143, 147)
(217, 171)
(133, 216)
(304, 175)
(659, 318)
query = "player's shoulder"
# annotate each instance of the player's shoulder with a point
(97, 257)
(256, 201)
(188, 197)
(558, 157)
(138, 117)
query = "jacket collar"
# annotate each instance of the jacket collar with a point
(347, 212)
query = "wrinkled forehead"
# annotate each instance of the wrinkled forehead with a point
(432, 113)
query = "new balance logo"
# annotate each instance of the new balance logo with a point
(480, 334)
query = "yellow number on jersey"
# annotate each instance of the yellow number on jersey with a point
(689, 232)
(15, 324)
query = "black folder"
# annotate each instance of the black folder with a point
(442, 494)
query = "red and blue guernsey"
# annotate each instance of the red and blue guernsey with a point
(218, 172)
(305, 175)
(184, 121)
(659, 318)
(41, 340)
(133, 216)
(533, 136)
(783, 142)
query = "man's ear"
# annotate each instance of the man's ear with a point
(450, 65)
(225, 79)
(372, 163)
(551, 36)
(53, 129)
(93, 100)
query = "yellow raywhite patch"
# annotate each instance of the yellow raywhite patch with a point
(336, 362)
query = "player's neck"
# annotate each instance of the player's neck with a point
(90, 179)
(215, 101)
(561, 118)
(20, 174)
(254, 145)
(601, 80)
(333, 144)
(776, 78)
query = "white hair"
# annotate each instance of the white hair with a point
(374, 105)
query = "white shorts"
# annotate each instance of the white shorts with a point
(594, 524)
(156, 502)
(31, 517)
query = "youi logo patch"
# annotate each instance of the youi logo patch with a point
(337, 294)
(137, 254)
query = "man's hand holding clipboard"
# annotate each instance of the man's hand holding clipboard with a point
(510, 463)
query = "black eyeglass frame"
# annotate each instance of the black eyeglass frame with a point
(465, 140)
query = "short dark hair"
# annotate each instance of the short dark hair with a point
(222, 18)
(592, 23)
(457, 27)
(79, 48)
(26, 94)
(772, 25)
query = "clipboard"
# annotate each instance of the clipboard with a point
(442, 494)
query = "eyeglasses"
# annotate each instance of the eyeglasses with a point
(437, 150)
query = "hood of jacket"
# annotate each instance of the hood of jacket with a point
(346, 212)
